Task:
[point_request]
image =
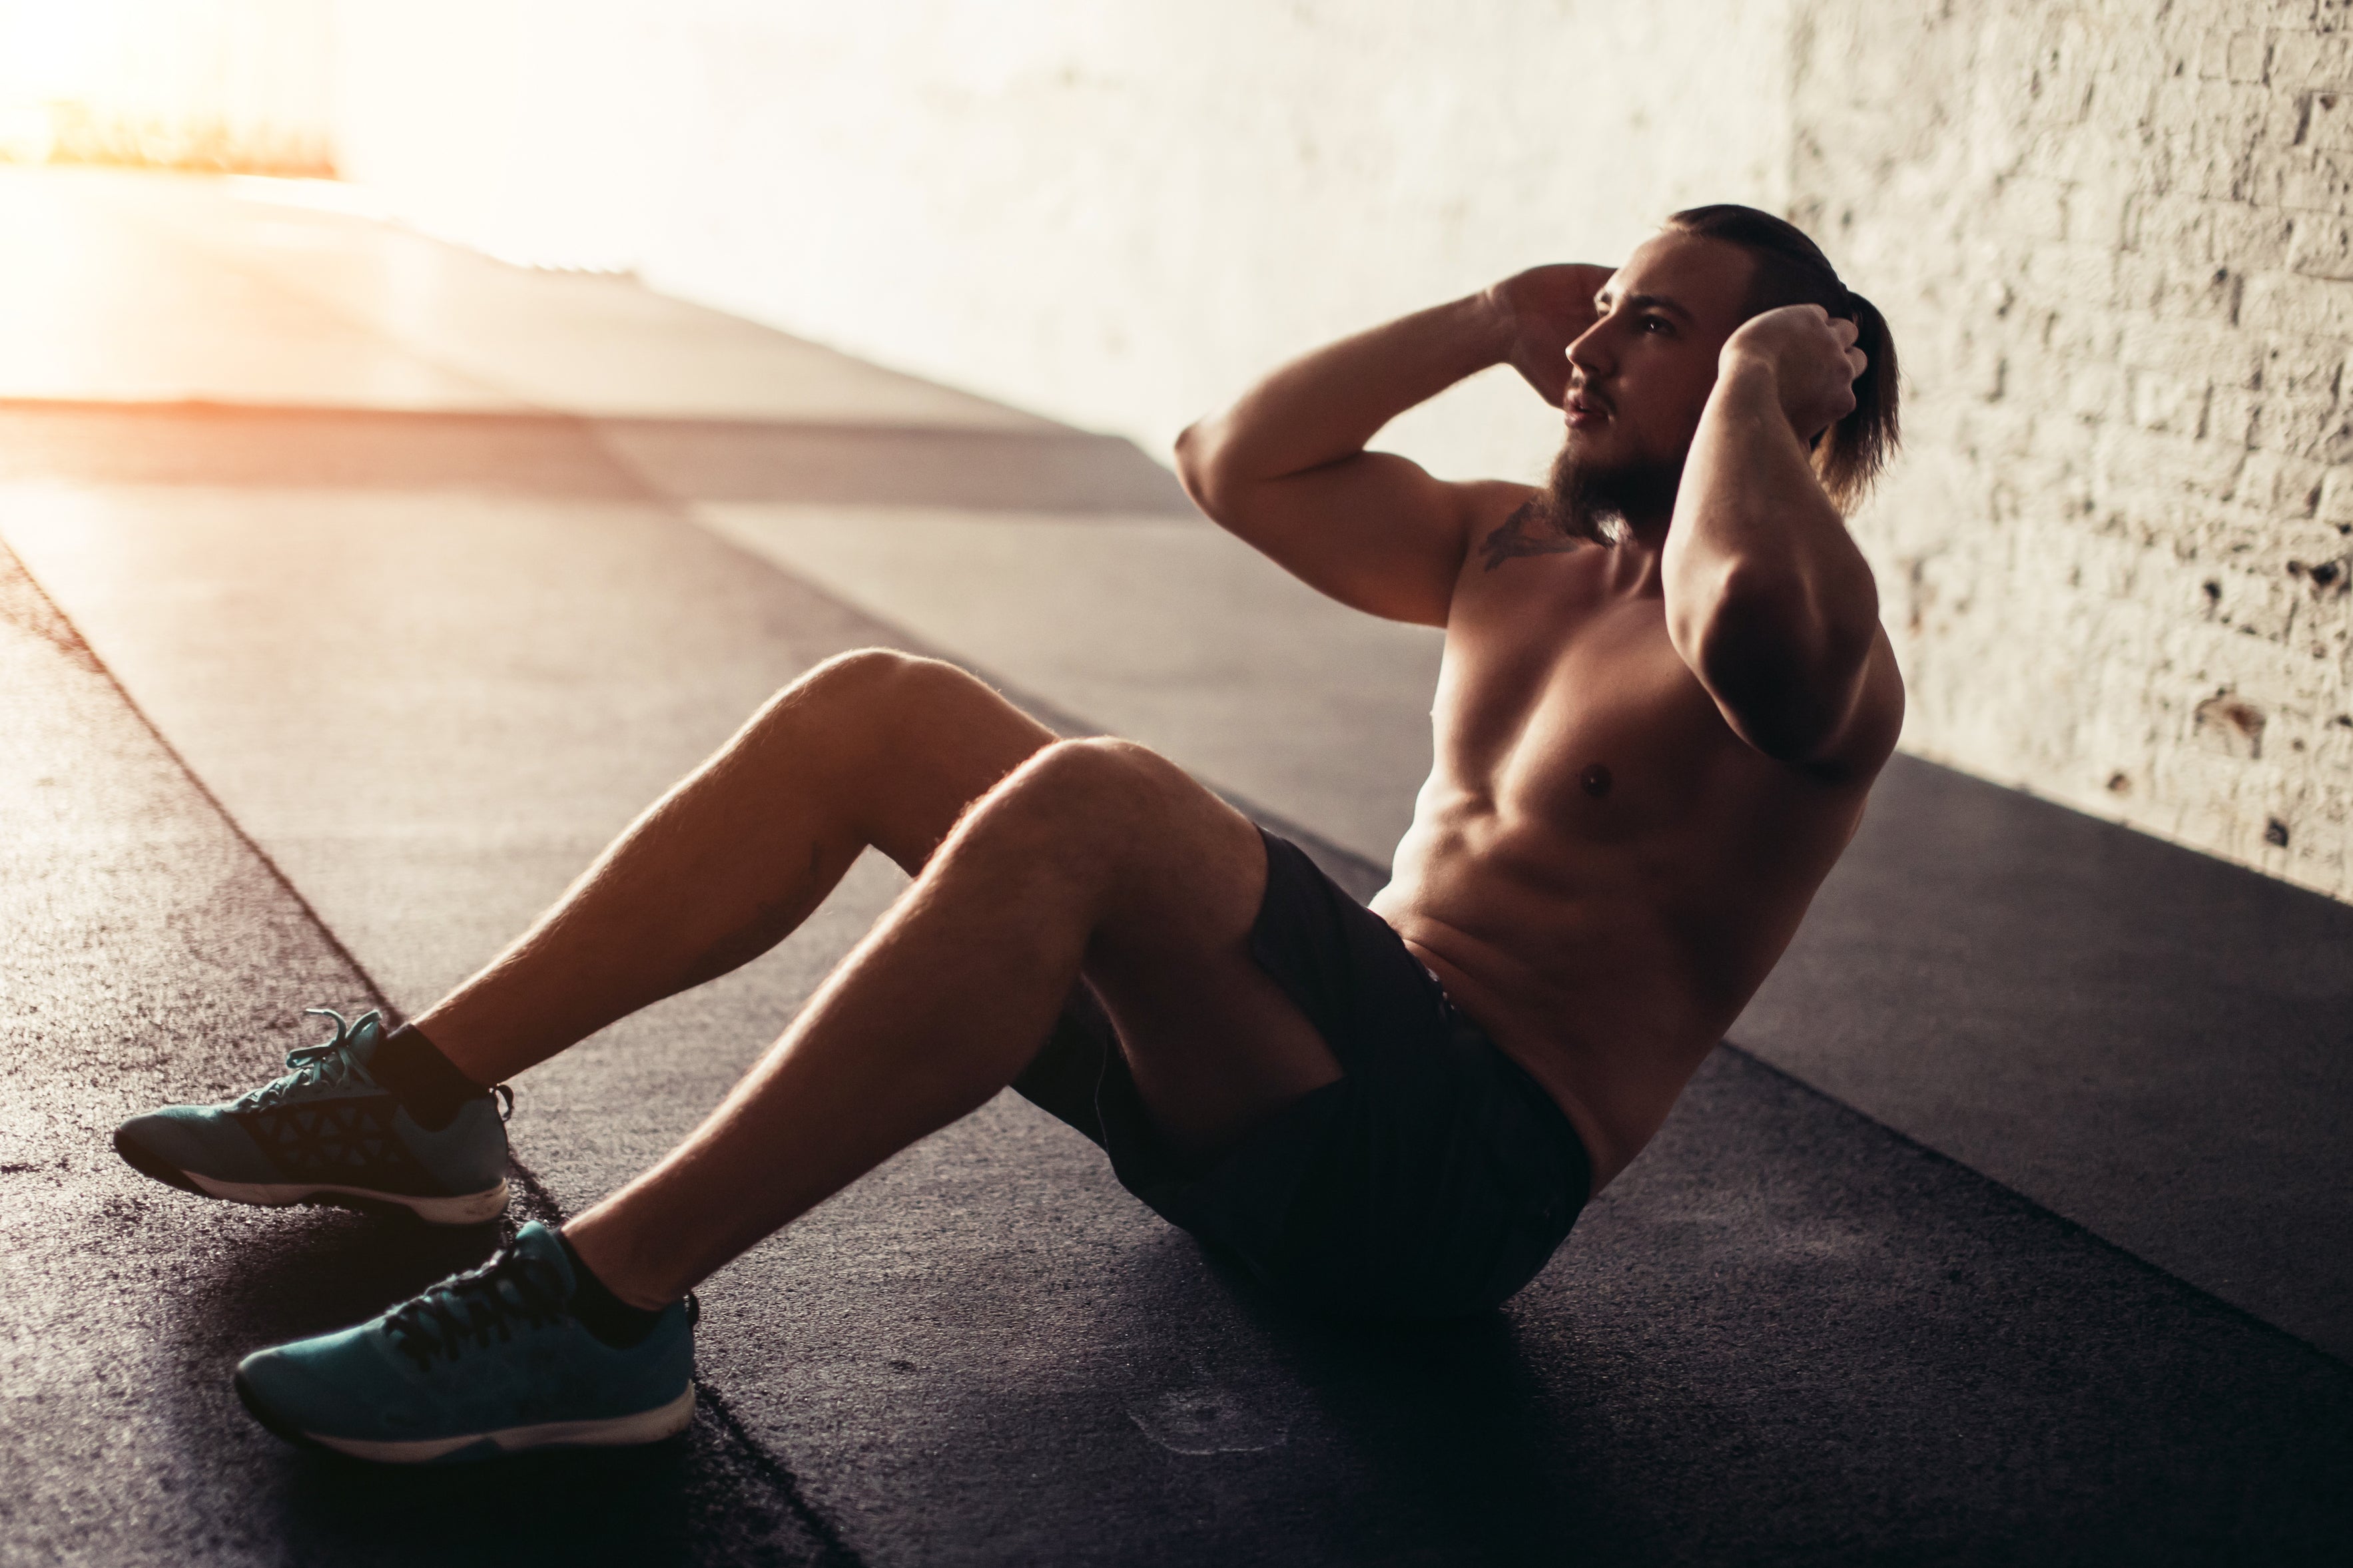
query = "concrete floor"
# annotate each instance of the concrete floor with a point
(360, 588)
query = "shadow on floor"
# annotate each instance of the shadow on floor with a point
(710, 1496)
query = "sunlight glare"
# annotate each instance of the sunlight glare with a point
(203, 84)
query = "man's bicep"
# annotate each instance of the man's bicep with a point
(1872, 729)
(1812, 709)
(1374, 530)
(1867, 737)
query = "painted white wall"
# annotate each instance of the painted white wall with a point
(1113, 213)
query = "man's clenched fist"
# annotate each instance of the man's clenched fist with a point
(1814, 359)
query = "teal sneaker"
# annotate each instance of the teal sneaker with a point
(327, 1133)
(486, 1362)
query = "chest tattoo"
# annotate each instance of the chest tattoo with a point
(1519, 535)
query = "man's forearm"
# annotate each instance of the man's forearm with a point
(1327, 405)
(1767, 597)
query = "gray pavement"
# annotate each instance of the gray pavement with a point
(393, 664)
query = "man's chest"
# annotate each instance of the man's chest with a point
(1575, 706)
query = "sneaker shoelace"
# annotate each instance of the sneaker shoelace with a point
(476, 1306)
(329, 1064)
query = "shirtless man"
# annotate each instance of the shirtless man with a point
(1664, 698)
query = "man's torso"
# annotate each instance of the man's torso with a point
(1600, 870)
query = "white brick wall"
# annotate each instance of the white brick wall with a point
(2114, 244)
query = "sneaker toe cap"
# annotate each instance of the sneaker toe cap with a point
(294, 1391)
(190, 1138)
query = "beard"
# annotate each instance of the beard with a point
(1592, 501)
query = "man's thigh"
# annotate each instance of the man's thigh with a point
(1213, 1044)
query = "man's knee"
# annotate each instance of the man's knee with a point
(1098, 769)
(1086, 797)
(870, 679)
(869, 691)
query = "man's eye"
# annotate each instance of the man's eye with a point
(1656, 324)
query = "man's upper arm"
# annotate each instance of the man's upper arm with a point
(1863, 742)
(1374, 530)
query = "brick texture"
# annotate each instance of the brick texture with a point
(2116, 245)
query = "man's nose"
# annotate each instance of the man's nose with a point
(1589, 354)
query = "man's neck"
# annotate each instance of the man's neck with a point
(1633, 569)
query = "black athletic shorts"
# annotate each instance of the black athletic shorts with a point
(1433, 1179)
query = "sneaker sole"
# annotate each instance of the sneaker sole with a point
(614, 1432)
(466, 1208)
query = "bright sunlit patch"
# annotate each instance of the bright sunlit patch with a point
(56, 61)
(27, 133)
(348, 200)
(313, 196)
(47, 48)
(53, 58)
(192, 84)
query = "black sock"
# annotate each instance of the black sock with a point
(611, 1320)
(415, 1073)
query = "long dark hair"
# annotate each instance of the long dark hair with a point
(1792, 270)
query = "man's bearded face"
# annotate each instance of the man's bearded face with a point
(1640, 379)
(1589, 500)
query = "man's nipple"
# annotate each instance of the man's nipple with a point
(1595, 780)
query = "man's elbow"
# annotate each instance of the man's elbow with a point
(1187, 452)
(1796, 733)
(1197, 452)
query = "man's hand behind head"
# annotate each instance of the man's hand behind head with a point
(1813, 360)
(1545, 309)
